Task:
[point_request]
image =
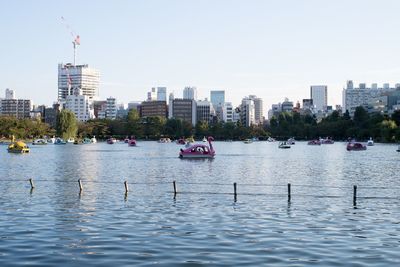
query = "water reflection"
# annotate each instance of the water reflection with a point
(55, 224)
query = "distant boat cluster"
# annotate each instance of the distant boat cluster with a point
(192, 149)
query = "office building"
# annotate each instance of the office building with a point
(19, 108)
(170, 105)
(247, 112)
(161, 93)
(287, 106)
(184, 109)
(10, 94)
(80, 104)
(217, 97)
(81, 77)
(153, 109)
(111, 108)
(190, 93)
(99, 109)
(204, 111)
(227, 113)
(258, 109)
(362, 96)
(319, 96)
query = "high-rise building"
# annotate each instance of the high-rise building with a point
(111, 108)
(227, 112)
(247, 112)
(319, 96)
(81, 77)
(153, 109)
(161, 93)
(203, 110)
(10, 94)
(184, 109)
(217, 97)
(170, 105)
(258, 109)
(190, 92)
(19, 108)
(80, 105)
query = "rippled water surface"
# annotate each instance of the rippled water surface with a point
(56, 225)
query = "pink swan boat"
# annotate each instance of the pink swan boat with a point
(198, 151)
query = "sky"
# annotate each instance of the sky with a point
(272, 49)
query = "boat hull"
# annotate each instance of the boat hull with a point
(195, 156)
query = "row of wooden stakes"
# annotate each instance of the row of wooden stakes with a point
(234, 189)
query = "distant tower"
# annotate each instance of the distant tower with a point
(190, 93)
(170, 105)
(319, 96)
(161, 93)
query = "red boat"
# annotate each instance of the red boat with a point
(354, 146)
(198, 151)
(131, 142)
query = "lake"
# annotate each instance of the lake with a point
(57, 225)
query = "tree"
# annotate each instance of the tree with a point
(66, 124)
(360, 117)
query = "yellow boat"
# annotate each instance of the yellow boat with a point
(18, 147)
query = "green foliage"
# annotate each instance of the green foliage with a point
(66, 124)
(23, 128)
(288, 124)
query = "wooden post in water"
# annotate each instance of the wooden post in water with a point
(31, 182)
(234, 192)
(174, 183)
(126, 187)
(354, 195)
(289, 192)
(80, 185)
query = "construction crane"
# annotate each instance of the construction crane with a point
(76, 39)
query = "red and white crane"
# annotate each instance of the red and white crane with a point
(76, 39)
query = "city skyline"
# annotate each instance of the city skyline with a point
(227, 45)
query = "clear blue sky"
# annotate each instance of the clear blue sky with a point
(273, 49)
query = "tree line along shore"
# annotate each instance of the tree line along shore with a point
(339, 127)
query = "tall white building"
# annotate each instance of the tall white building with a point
(190, 92)
(258, 109)
(10, 94)
(217, 97)
(81, 77)
(247, 112)
(80, 104)
(319, 96)
(161, 93)
(227, 112)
